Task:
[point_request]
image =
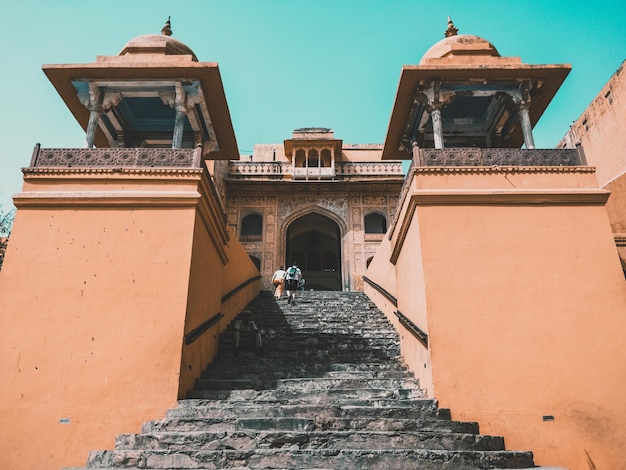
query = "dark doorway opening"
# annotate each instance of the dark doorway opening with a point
(314, 244)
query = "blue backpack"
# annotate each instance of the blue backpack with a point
(291, 273)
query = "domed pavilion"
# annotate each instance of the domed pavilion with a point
(153, 94)
(464, 93)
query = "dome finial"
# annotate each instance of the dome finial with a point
(167, 29)
(450, 30)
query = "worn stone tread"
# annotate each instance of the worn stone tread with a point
(330, 391)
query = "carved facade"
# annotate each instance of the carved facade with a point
(314, 201)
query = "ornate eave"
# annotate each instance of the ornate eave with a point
(474, 87)
(120, 80)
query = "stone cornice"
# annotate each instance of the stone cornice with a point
(416, 198)
(510, 196)
(106, 198)
(314, 187)
(111, 188)
(502, 169)
(33, 172)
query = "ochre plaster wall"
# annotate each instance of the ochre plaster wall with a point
(523, 301)
(210, 282)
(383, 273)
(104, 276)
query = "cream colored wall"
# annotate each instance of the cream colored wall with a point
(600, 130)
(104, 274)
(523, 300)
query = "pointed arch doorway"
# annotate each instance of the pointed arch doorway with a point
(313, 242)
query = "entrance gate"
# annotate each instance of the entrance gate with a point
(313, 243)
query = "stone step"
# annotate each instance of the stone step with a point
(226, 364)
(226, 373)
(329, 391)
(219, 424)
(221, 409)
(398, 459)
(337, 395)
(287, 439)
(307, 384)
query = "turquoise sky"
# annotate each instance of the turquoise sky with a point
(294, 63)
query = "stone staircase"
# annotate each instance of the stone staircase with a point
(329, 392)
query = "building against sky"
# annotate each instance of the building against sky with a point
(293, 64)
(314, 201)
(343, 203)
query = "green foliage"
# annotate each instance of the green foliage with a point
(6, 222)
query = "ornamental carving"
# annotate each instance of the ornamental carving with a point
(356, 200)
(358, 261)
(251, 247)
(499, 157)
(358, 282)
(291, 204)
(374, 200)
(356, 216)
(120, 158)
(252, 200)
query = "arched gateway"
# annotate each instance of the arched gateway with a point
(315, 200)
(313, 242)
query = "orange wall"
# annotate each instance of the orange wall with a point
(523, 299)
(101, 281)
(210, 281)
(382, 272)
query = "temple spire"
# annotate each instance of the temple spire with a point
(450, 30)
(167, 29)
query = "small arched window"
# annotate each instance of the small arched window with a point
(252, 226)
(369, 260)
(300, 158)
(326, 158)
(375, 223)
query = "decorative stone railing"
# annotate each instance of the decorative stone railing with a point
(315, 172)
(499, 157)
(117, 157)
(369, 168)
(243, 169)
(341, 169)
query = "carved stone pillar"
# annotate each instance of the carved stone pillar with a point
(435, 116)
(179, 124)
(521, 98)
(94, 116)
(432, 100)
(527, 131)
(181, 109)
(93, 102)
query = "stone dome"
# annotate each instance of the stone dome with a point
(157, 44)
(460, 46)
